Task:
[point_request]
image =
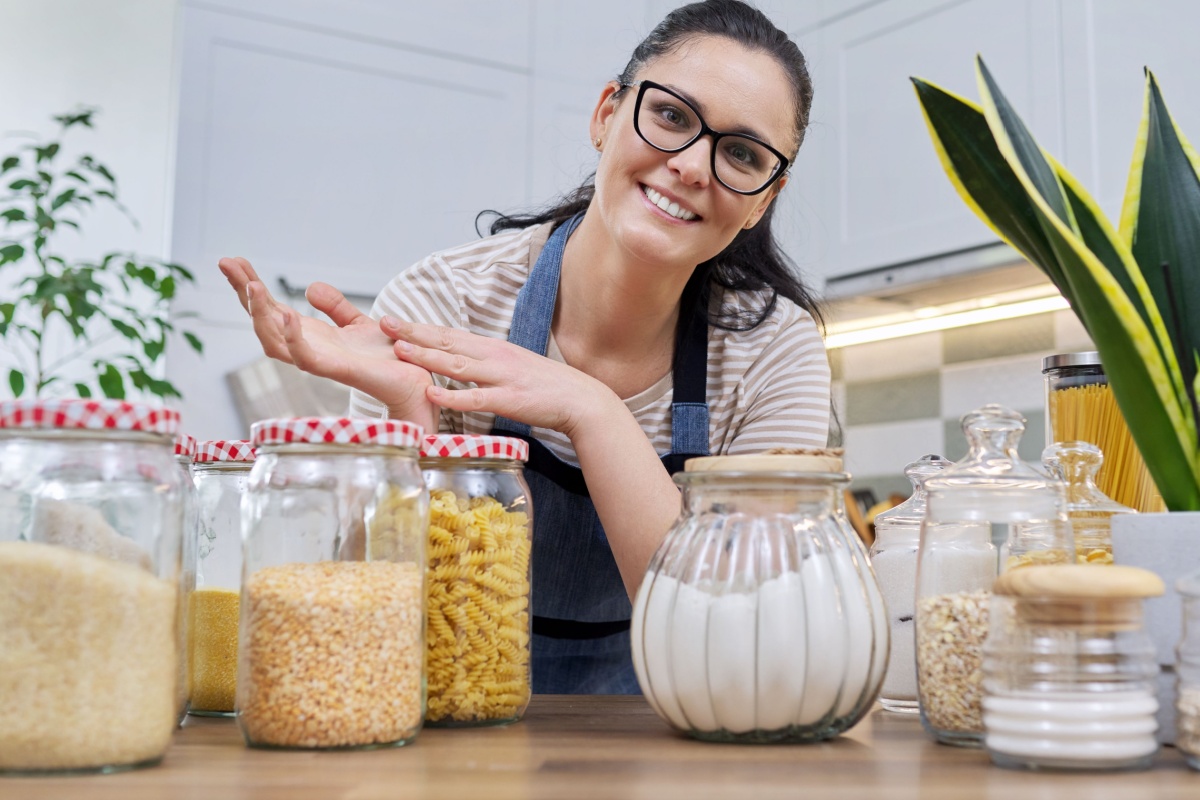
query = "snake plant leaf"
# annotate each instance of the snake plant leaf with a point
(969, 155)
(1160, 220)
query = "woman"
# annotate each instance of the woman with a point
(649, 313)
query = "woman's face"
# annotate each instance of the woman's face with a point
(735, 90)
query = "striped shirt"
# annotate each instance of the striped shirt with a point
(767, 387)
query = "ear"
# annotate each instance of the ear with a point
(606, 106)
(767, 197)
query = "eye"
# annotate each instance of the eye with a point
(741, 154)
(671, 115)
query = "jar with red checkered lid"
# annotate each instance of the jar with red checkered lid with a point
(221, 472)
(91, 515)
(478, 629)
(332, 638)
(185, 450)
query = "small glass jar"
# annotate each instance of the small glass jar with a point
(332, 640)
(221, 473)
(185, 451)
(1069, 671)
(1187, 702)
(759, 619)
(988, 503)
(91, 512)
(894, 558)
(477, 632)
(1080, 406)
(1090, 510)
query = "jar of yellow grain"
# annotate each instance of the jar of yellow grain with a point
(478, 630)
(91, 511)
(185, 452)
(331, 643)
(220, 473)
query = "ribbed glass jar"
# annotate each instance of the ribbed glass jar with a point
(759, 618)
(1187, 704)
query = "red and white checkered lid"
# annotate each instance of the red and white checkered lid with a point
(457, 445)
(336, 430)
(185, 445)
(224, 450)
(116, 415)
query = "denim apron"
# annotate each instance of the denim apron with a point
(580, 609)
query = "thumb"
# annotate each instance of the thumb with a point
(333, 304)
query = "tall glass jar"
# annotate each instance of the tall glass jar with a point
(480, 537)
(894, 557)
(1187, 703)
(91, 511)
(988, 509)
(332, 638)
(221, 474)
(1090, 510)
(759, 619)
(1068, 670)
(185, 451)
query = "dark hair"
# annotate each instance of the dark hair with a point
(753, 261)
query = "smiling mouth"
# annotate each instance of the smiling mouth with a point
(666, 205)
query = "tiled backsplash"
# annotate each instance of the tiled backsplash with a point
(900, 399)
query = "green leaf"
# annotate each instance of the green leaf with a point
(194, 341)
(12, 162)
(47, 152)
(125, 329)
(23, 183)
(111, 383)
(11, 253)
(83, 390)
(76, 175)
(62, 199)
(153, 349)
(82, 117)
(14, 215)
(166, 288)
(16, 381)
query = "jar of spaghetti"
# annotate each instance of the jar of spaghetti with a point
(185, 451)
(91, 511)
(221, 472)
(478, 630)
(1080, 406)
(332, 637)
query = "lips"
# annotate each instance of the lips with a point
(669, 206)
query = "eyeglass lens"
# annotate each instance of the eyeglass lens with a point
(666, 122)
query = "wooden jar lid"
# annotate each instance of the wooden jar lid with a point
(777, 460)
(1107, 598)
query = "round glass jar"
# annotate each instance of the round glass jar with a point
(894, 558)
(1187, 703)
(332, 639)
(759, 618)
(1090, 510)
(1068, 670)
(477, 632)
(221, 473)
(185, 451)
(91, 512)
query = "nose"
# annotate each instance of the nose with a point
(693, 164)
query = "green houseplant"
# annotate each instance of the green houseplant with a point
(1134, 286)
(104, 321)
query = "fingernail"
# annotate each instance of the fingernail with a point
(404, 347)
(391, 322)
(436, 391)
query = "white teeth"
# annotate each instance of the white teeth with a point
(666, 205)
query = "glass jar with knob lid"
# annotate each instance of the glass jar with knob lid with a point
(1090, 510)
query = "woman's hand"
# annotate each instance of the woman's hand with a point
(353, 350)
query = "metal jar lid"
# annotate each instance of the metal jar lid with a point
(1089, 358)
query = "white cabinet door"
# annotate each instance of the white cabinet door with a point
(871, 190)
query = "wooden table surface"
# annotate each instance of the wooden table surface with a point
(600, 747)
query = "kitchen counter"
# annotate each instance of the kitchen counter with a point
(599, 747)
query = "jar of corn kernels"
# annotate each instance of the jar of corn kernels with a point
(332, 636)
(478, 630)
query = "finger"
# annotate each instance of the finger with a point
(233, 271)
(301, 352)
(268, 321)
(333, 304)
(475, 398)
(456, 366)
(438, 337)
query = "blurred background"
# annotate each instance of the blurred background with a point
(342, 140)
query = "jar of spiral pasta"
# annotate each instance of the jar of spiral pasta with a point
(332, 636)
(477, 634)
(221, 472)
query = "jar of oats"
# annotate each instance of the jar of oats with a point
(332, 636)
(1187, 703)
(91, 512)
(221, 472)
(987, 511)
(478, 630)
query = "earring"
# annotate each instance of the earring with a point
(596, 142)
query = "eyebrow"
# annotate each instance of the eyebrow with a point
(741, 129)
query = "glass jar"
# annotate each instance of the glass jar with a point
(1080, 406)
(1068, 670)
(91, 511)
(332, 637)
(894, 557)
(185, 451)
(220, 473)
(988, 503)
(1090, 510)
(1187, 703)
(477, 632)
(759, 619)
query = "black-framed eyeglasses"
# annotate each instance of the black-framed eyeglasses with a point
(668, 122)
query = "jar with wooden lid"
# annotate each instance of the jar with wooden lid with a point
(91, 511)
(477, 633)
(331, 645)
(759, 618)
(1089, 509)
(221, 473)
(1069, 671)
(1187, 670)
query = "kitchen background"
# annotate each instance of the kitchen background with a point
(344, 139)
